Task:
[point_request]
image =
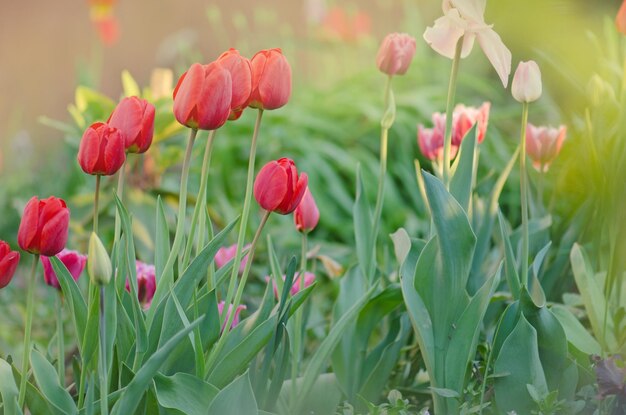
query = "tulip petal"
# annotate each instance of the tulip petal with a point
(29, 224)
(471, 9)
(446, 32)
(187, 93)
(270, 186)
(54, 233)
(497, 53)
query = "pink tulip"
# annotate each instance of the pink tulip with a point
(309, 278)
(543, 144)
(307, 215)
(430, 140)
(73, 261)
(526, 86)
(464, 118)
(395, 54)
(146, 283)
(220, 309)
(226, 253)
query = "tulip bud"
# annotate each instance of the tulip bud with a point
(226, 253)
(620, 19)
(241, 74)
(277, 187)
(102, 150)
(526, 86)
(8, 263)
(395, 53)
(220, 309)
(44, 225)
(271, 80)
(202, 97)
(73, 261)
(134, 117)
(543, 144)
(99, 265)
(146, 283)
(306, 216)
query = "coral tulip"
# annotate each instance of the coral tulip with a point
(226, 253)
(241, 75)
(620, 19)
(271, 80)
(73, 261)
(307, 215)
(220, 309)
(202, 97)
(543, 144)
(430, 140)
(134, 117)
(102, 150)
(44, 226)
(8, 263)
(395, 53)
(526, 85)
(146, 283)
(464, 118)
(278, 188)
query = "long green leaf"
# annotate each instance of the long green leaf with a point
(235, 399)
(76, 301)
(463, 178)
(8, 390)
(184, 392)
(48, 381)
(363, 231)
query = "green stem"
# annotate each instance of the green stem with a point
(96, 200)
(524, 197)
(30, 304)
(60, 339)
(104, 386)
(449, 111)
(120, 196)
(298, 329)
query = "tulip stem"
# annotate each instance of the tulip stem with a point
(200, 205)
(60, 339)
(30, 304)
(104, 386)
(524, 196)
(298, 329)
(244, 277)
(120, 196)
(96, 200)
(449, 111)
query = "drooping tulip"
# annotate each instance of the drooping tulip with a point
(271, 80)
(395, 53)
(620, 19)
(526, 85)
(134, 117)
(226, 253)
(464, 118)
(102, 150)
(465, 18)
(8, 263)
(220, 309)
(202, 97)
(241, 74)
(44, 226)
(543, 144)
(278, 188)
(146, 283)
(73, 261)
(307, 215)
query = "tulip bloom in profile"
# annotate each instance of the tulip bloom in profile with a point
(395, 54)
(102, 150)
(620, 19)
(134, 117)
(464, 118)
(277, 187)
(309, 278)
(226, 253)
(73, 261)
(465, 18)
(146, 283)
(8, 263)
(241, 75)
(430, 140)
(44, 226)
(220, 309)
(526, 86)
(271, 80)
(307, 215)
(203, 96)
(543, 144)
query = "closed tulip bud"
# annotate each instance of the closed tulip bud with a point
(307, 215)
(146, 283)
(73, 261)
(526, 86)
(241, 75)
(202, 97)
(44, 225)
(395, 53)
(134, 117)
(99, 265)
(271, 80)
(277, 187)
(620, 19)
(8, 263)
(543, 144)
(102, 150)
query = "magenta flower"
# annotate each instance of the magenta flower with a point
(220, 309)
(146, 283)
(226, 253)
(73, 261)
(309, 278)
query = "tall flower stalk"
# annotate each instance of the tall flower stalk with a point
(30, 304)
(447, 144)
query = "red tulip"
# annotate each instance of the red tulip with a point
(464, 119)
(102, 150)
(543, 144)
(134, 117)
(202, 97)
(73, 261)
(146, 283)
(306, 214)
(395, 54)
(620, 19)
(278, 188)
(271, 80)
(44, 225)
(241, 76)
(8, 263)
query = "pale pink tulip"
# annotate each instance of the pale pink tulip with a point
(526, 85)
(543, 144)
(464, 118)
(395, 53)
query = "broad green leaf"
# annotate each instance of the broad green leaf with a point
(235, 399)
(8, 390)
(575, 332)
(323, 398)
(401, 244)
(184, 392)
(510, 265)
(48, 381)
(76, 302)
(363, 231)
(444, 392)
(463, 178)
(35, 401)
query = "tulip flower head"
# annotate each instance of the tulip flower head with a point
(395, 54)
(430, 140)
(8, 263)
(543, 144)
(220, 309)
(241, 75)
(271, 80)
(73, 261)
(203, 96)
(99, 265)
(102, 150)
(44, 226)
(134, 117)
(526, 85)
(620, 19)
(226, 253)
(146, 283)
(309, 278)
(277, 187)
(465, 18)
(464, 118)
(307, 215)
